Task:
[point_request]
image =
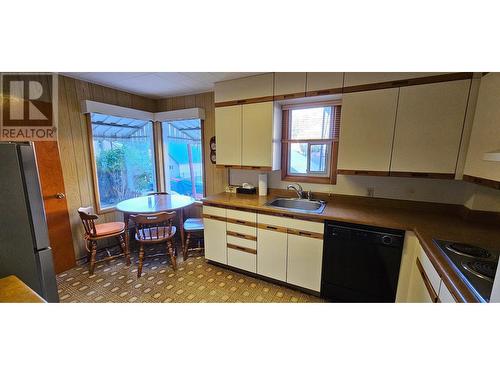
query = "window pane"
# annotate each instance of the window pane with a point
(318, 159)
(124, 157)
(183, 157)
(311, 123)
(297, 158)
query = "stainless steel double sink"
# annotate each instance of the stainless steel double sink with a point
(298, 205)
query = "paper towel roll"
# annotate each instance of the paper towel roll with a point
(262, 183)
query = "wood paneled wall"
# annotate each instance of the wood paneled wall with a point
(74, 145)
(215, 178)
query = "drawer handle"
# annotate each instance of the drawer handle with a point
(240, 235)
(270, 227)
(241, 222)
(304, 234)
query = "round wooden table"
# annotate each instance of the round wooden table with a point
(150, 204)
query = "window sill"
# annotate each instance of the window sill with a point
(311, 179)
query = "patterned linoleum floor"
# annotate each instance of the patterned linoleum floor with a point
(194, 281)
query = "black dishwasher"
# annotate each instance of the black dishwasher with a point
(360, 263)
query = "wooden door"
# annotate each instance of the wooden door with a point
(228, 135)
(429, 125)
(56, 208)
(368, 120)
(257, 135)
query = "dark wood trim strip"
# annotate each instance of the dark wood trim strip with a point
(291, 216)
(241, 222)
(250, 167)
(443, 176)
(482, 181)
(332, 91)
(273, 228)
(409, 82)
(304, 233)
(241, 248)
(427, 282)
(213, 217)
(296, 95)
(240, 235)
(245, 101)
(362, 173)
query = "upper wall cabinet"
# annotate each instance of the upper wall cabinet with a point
(289, 85)
(228, 134)
(356, 79)
(368, 120)
(322, 81)
(485, 136)
(258, 86)
(429, 127)
(248, 135)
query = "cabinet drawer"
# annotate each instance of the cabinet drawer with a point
(278, 221)
(429, 269)
(249, 217)
(215, 211)
(242, 229)
(241, 259)
(242, 242)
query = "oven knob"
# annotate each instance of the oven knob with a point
(387, 240)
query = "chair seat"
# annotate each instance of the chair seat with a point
(106, 229)
(154, 234)
(193, 224)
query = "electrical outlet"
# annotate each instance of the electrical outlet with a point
(370, 192)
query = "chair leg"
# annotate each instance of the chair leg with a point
(141, 260)
(172, 255)
(124, 248)
(186, 247)
(93, 252)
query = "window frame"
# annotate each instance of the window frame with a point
(93, 164)
(332, 145)
(161, 157)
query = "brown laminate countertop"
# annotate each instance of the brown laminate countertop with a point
(427, 221)
(14, 290)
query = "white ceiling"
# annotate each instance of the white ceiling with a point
(158, 85)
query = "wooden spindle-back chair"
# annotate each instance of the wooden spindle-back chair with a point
(95, 232)
(154, 229)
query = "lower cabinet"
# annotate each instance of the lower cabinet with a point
(241, 258)
(214, 220)
(304, 261)
(272, 252)
(418, 279)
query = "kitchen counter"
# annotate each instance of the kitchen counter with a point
(14, 290)
(427, 220)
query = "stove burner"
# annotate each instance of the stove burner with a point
(481, 268)
(468, 250)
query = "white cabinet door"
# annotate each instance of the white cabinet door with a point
(257, 86)
(228, 135)
(485, 135)
(304, 262)
(215, 240)
(368, 120)
(418, 291)
(429, 127)
(271, 253)
(287, 83)
(445, 295)
(318, 81)
(257, 135)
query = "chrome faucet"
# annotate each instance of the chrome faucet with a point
(298, 189)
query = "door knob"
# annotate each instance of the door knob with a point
(60, 196)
